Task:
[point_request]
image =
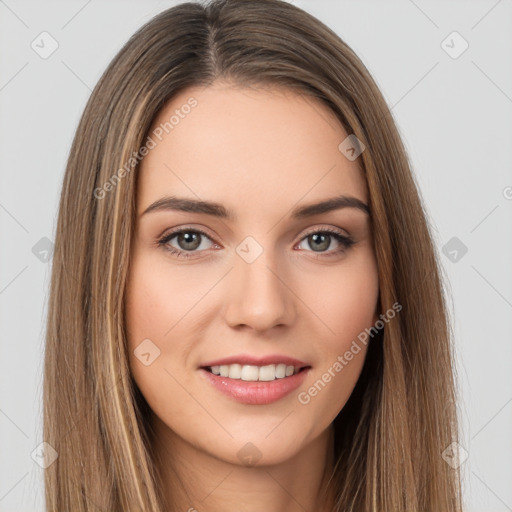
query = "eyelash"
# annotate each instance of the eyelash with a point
(345, 241)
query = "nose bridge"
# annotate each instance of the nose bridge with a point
(258, 295)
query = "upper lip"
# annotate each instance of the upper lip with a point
(245, 359)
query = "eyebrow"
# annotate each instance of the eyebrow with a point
(218, 210)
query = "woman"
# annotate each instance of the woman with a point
(246, 310)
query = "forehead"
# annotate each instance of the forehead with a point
(247, 148)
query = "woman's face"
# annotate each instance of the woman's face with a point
(230, 290)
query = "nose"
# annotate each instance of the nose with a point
(260, 295)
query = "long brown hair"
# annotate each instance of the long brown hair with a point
(390, 435)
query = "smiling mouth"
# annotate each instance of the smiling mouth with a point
(252, 373)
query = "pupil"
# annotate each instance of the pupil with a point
(190, 240)
(323, 244)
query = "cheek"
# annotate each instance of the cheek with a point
(152, 308)
(347, 306)
(346, 302)
(161, 299)
(160, 311)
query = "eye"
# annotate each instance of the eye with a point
(321, 239)
(189, 241)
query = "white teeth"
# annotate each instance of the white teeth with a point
(268, 372)
(281, 371)
(250, 372)
(254, 373)
(235, 371)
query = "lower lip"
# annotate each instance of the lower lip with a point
(256, 392)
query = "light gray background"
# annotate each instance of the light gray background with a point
(454, 116)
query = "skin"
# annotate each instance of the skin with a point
(260, 153)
